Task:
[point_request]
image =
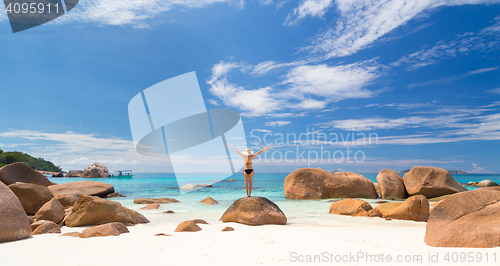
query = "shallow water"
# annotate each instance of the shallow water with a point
(269, 185)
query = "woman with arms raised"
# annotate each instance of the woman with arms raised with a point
(248, 170)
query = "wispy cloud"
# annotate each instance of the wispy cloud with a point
(494, 91)
(485, 40)
(361, 23)
(448, 80)
(131, 12)
(313, 8)
(277, 123)
(3, 13)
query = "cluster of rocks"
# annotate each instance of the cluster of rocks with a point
(415, 208)
(95, 170)
(484, 183)
(313, 183)
(30, 205)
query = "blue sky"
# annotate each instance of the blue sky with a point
(421, 75)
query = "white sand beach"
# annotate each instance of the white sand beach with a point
(334, 239)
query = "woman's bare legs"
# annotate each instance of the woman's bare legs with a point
(246, 181)
(250, 177)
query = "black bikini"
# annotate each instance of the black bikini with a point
(248, 171)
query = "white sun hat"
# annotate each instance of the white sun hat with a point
(247, 152)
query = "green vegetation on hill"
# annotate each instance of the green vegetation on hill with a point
(35, 163)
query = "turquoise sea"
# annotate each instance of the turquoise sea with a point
(269, 185)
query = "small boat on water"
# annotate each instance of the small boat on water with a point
(122, 174)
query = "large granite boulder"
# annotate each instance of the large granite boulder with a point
(20, 172)
(431, 182)
(254, 211)
(14, 223)
(66, 200)
(51, 211)
(74, 173)
(96, 170)
(351, 207)
(415, 208)
(32, 196)
(79, 188)
(109, 229)
(468, 219)
(391, 185)
(314, 183)
(89, 210)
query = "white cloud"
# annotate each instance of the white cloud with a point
(3, 13)
(311, 104)
(277, 123)
(362, 22)
(334, 82)
(256, 102)
(213, 102)
(476, 169)
(131, 12)
(296, 92)
(313, 8)
(494, 91)
(265, 2)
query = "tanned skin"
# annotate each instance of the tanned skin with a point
(248, 165)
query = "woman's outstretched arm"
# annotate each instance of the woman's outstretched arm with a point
(236, 150)
(261, 151)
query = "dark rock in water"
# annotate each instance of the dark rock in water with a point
(109, 229)
(20, 172)
(254, 211)
(96, 170)
(115, 195)
(187, 226)
(90, 210)
(60, 174)
(47, 227)
(169, 211)
(79, 188)
(209, 201)
(151, 200)
(14, 223)
(431, 182)
(314, 183)
(484, 183)
(152, 206)
(468, 219)
(391, 185)
(74, 173)
(227, 229)
(32, 196)
(381, 201)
